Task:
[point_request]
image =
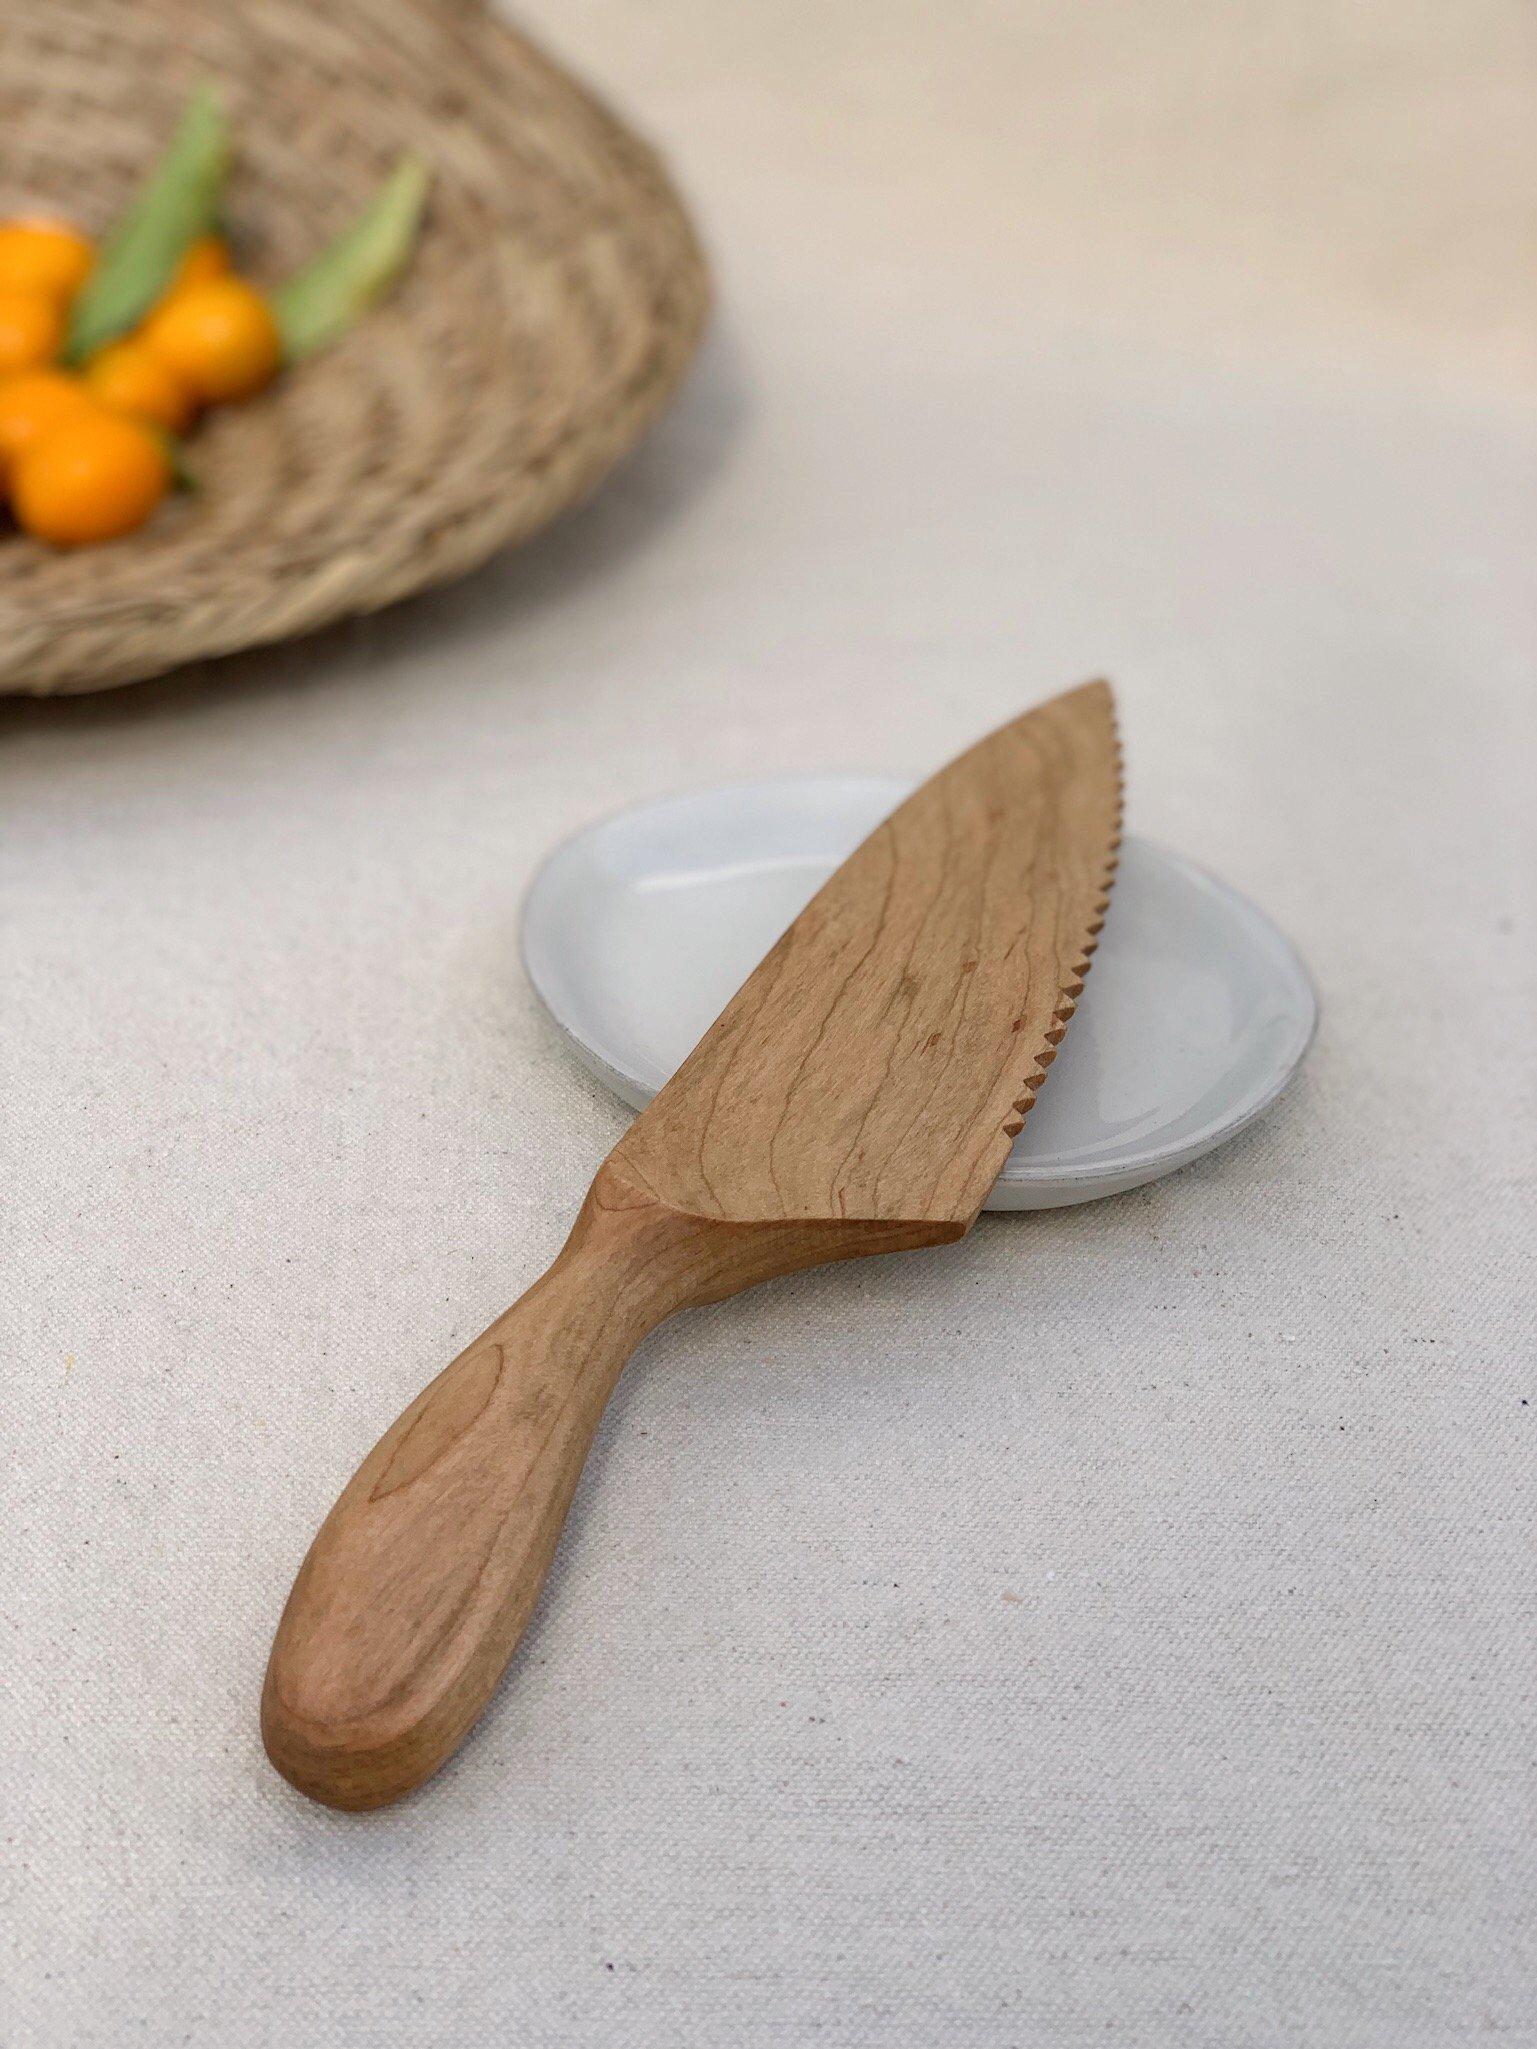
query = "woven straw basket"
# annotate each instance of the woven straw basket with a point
(549, 311)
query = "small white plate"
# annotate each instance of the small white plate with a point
(1196, 1015)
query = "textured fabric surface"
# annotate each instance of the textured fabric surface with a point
(1116, 1628)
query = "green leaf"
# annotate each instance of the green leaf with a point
(182, 478)
(177, 202)
(323, 299)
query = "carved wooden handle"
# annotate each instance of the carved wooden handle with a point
(423, 1576)
(415, 1592)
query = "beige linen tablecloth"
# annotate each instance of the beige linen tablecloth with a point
(1115, 1629)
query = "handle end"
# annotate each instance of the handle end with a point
(356, 1768)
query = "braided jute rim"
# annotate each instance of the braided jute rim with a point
(548, 314)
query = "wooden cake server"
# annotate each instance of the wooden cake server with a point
(858, 1094)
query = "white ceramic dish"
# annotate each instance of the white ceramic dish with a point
(1196, 1015)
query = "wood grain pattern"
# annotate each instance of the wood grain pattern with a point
(880, 1060)
(858, 1095)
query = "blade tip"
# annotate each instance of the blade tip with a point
(1097, 692)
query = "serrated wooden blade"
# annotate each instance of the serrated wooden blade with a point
(880, 1060)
